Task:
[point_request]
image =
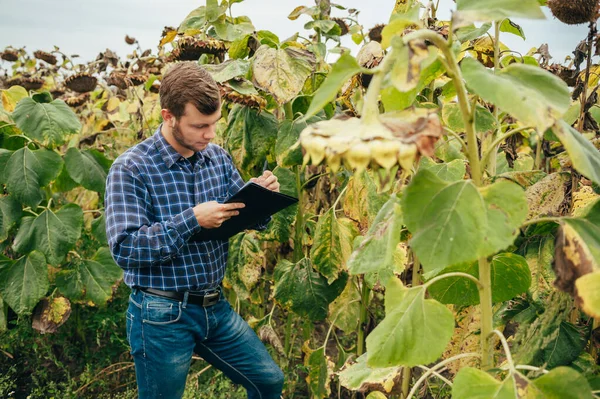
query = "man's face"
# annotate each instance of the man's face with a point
(194, 130)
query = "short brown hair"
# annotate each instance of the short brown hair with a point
(187, 82)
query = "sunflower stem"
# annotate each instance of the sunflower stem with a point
(363, 316)
(485, 301)
(487, 154)
(370, 111)
(299, 223)
(463, 100)
(493, 148)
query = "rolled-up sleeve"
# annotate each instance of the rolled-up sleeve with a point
(135, 240)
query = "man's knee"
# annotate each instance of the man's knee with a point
(277, 377)
(272, 379)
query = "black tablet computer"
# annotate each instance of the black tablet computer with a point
(260, 204)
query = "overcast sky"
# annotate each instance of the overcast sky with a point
(86, 27)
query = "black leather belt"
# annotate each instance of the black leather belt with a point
(206, 299)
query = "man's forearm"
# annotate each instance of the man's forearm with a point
(151, 244)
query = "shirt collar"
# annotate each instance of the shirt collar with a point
(170, 156)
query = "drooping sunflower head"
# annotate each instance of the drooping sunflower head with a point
(81, 82)
(574, 12)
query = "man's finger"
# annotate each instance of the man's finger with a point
(270, 180)
(233, 205)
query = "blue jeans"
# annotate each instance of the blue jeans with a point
(163, 334)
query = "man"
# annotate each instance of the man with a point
(159, 193)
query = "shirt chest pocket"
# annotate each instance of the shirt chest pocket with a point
(217, 193)
(220, 199)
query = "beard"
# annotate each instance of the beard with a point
(178, 136)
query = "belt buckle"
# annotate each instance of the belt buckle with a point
(210, 299)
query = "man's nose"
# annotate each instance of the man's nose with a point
(211, 132)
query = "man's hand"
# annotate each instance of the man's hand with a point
(211, 214)
(268, 180)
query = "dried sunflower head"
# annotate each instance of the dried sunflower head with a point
(103, 60)
(10, 55)
(32, 83)
(45, 56)
(249, 100)
(574, 12)
(57, 92)
(135, 79)
(375, 33)
(343, 25)
(16, 81)
(392, 139)
(76, 100)
(155, 88)
(81, 82)
(153, 70)
(253, 45)
(190, 49)
(369, 56)
(568, 75)
(117, 78)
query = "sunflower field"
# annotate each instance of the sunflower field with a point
(446, 241)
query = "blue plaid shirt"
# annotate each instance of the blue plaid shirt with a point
(150, 192)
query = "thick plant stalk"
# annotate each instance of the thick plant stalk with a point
(287, 341)
(487, 325)
(370, 110)
(298, 251)
(416, 280)
(363, 315)
(487, 154)
(307, 330)
(406, 377)
(493, 148)
(468, 116)
(289, 111)
(299, 223)
(461, 91)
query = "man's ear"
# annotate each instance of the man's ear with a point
(168, 117)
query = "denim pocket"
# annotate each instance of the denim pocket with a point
(157, 310)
